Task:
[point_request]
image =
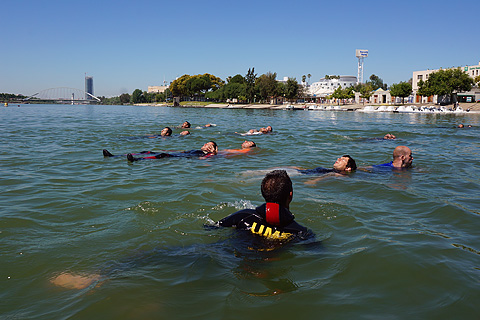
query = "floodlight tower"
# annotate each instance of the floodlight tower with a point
(360, 54)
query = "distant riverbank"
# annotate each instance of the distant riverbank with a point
(473, 106)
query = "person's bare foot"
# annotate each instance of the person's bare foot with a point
(71, 281)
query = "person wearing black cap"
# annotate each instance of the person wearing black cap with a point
(273, 219)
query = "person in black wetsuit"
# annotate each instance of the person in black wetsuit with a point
(273, 219)
(209, 149)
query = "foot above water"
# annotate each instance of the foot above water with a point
(107, 153)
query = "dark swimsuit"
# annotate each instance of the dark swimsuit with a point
(269, 220)
(318, 170)
(184, 154)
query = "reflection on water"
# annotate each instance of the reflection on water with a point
(387, 237)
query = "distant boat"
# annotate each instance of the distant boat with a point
(315, 107)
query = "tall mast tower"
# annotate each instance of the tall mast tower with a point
(360, 54)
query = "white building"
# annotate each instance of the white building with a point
(157, 89)
(472, 71)
(326, 86)
(378, 96)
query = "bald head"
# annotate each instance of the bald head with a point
(402, 157)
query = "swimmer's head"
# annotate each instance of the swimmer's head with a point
(269, 128)
(345, 163)
(277, 188)
(389, 136)
(248, 144)
(186, 124)
(210, 147)
(166, 132)
(184, 133)
(461, 125)
(402, 157)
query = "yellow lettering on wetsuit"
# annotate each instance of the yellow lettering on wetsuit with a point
(267, 232)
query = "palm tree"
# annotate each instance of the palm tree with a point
(309, 76)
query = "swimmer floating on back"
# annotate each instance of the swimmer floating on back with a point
(267, 129)
(209, 149)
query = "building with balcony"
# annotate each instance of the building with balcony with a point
(472, 71)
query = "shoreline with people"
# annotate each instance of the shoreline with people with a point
(472, 106)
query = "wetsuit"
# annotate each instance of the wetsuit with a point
(318, 170)
(107, 153)
(184, 154)
(191, 153)
(269, 220)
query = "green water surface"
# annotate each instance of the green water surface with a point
(393, 245)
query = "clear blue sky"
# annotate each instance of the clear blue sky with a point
(127, 45)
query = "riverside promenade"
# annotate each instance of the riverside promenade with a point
(474, 106)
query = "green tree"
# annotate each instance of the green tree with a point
(309, 76)
(215, 82)
(292, 89)
(366, 91)
(111, 101)
(5, 97)
(304, 77)
(178, 87)
(232, 90)
(237, 79)
(342, 94)
(198, 84)
(376, 82)
(266, 85)
(124, 98)
(137, 96)
(250, 80)
(235, 90)
(445, 83)
(402, 90)
(349, 92)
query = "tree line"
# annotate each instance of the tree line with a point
(252, 88)
(8, 97)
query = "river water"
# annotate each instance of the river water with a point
(392, 245)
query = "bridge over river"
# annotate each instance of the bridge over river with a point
(63, 95)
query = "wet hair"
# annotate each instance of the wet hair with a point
(250, 143)
(169, 131)
(187, 124)
(351, 163)
(276, 187)
(214, 144)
